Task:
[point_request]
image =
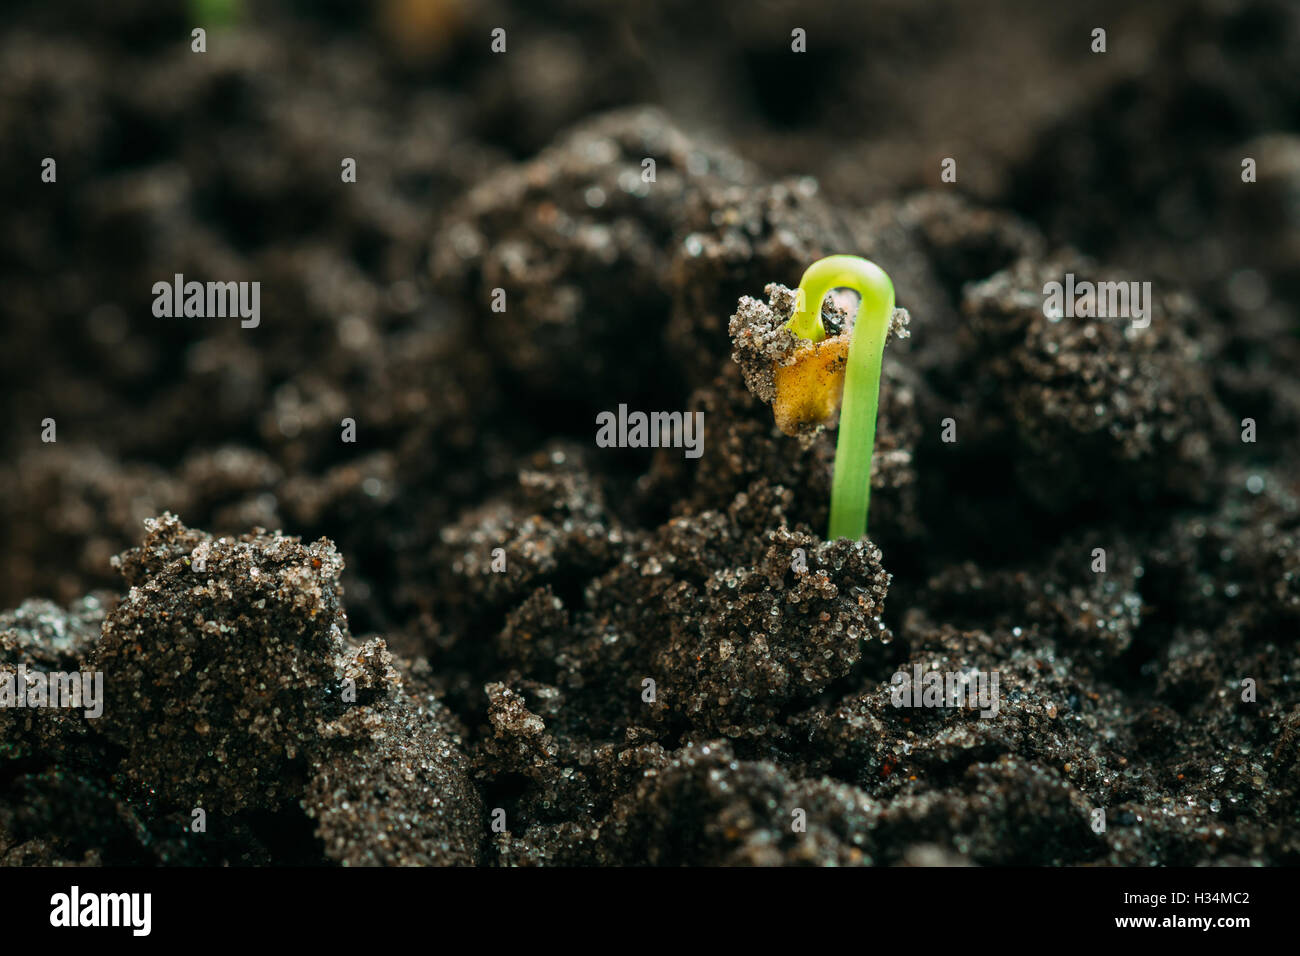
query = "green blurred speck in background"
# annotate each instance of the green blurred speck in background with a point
(216, 13)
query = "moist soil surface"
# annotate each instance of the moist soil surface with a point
(472, 636)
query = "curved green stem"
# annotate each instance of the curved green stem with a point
(851, 485)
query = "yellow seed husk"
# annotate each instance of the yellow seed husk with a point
(808, 391)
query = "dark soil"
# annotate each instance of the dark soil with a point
(315, 641)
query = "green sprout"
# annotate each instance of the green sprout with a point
(851, 484)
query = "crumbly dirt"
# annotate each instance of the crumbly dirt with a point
(474, 637)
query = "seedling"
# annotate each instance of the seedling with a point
(851, 484)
